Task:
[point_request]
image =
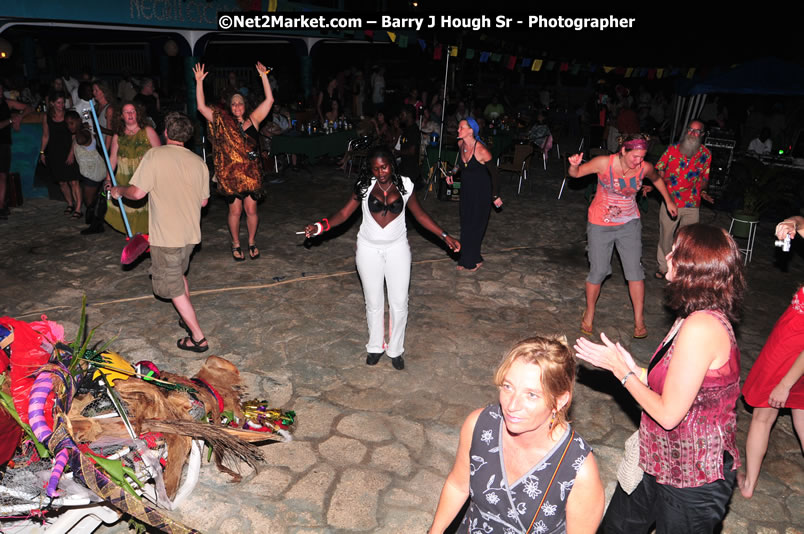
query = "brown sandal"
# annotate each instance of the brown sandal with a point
(586, 330)
(641, 334)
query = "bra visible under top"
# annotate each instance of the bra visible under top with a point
(375, 205)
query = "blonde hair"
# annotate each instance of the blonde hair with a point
(554, 357)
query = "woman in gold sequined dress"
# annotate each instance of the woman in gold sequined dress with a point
(235, 136)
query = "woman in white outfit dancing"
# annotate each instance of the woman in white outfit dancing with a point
(383, 253)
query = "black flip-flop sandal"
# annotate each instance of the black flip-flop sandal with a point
(188, 343)
(253, 252)
(237, 253)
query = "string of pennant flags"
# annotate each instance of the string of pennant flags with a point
(512, 62)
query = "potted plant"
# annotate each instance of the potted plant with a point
(758, 185)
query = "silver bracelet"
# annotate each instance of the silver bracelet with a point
(625, 378)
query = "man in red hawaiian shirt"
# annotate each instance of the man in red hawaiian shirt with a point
(685, 170)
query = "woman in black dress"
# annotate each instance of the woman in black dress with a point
(56, 153)
(479, 189)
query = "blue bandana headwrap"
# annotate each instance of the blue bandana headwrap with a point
(475, 129)
(473, 125)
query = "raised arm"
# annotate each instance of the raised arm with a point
(456, 487)
(701, 341)
(259, 114)
(341, 216)
(595, 165)
(423, 218)
(200, 102)
(318, 103)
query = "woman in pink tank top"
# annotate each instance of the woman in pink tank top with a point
(687, 435)
(613, 220)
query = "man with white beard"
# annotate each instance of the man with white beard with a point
(685, 170)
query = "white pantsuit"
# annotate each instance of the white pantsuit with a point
(383, 259)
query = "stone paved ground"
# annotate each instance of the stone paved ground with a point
(374, 445)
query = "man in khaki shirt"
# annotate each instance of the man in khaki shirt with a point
(177, 184)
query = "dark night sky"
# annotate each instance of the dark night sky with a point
(707, 36)
(703, 37)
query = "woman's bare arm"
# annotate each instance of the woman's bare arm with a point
(423, 218)
(259, 114)
(593, 166)
(45, 138)
(153, 138)
(586, 500)
(701, 341)
(339, 217)
(200, 101)
(456, 487)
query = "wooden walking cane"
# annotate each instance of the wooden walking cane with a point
(137, 244)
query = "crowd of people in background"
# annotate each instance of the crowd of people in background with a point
(365, 97)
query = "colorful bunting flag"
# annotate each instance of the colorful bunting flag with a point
(403, 41)
(659, 73)
(484, 56)
(629, 71)
(369, 35)
(437, 52)
(537, 65)
(691, 73)
(470, 53)
(422, 44)
(511, 63)
(392, 36)
(453, 51)
(607, 69)
(526, 61)
(550, 65)
(495, 57)
(564, 67)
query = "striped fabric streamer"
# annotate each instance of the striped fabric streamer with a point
(50, 378)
